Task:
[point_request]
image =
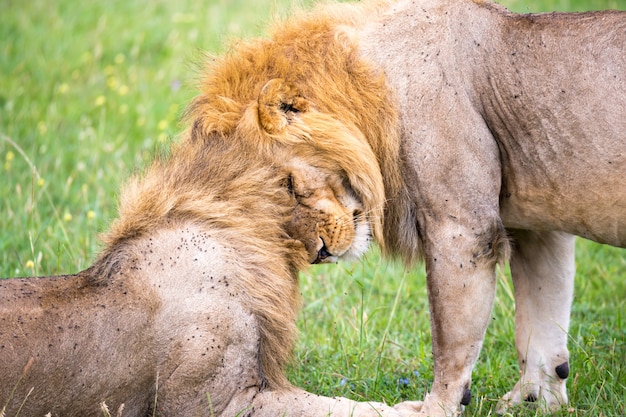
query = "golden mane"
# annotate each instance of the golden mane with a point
(316, 52)
(214, 185)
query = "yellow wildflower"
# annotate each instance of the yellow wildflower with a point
(123, 90)
(62, 89)
(86, 56)
(8, 158)
(100, 100)
(112, 82)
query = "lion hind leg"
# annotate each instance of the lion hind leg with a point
(542, 266)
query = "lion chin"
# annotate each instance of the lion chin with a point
(189, 310)
(468, 134)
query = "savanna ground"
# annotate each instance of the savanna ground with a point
(89, 91)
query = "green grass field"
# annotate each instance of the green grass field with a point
(89, 90)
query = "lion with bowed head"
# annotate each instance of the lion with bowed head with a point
(190, 308)
(469, 135)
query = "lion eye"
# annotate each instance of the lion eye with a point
(288, 108)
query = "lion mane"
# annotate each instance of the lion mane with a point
(349, 100)
(192, 184)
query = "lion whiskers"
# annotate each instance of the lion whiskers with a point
(362, 235)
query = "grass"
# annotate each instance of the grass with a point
(88, 90)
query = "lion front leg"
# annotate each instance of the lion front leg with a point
(460, 263)
(542, 266)
(295, 402)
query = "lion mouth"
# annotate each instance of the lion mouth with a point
(323, 255)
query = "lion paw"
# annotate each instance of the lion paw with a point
(549, 396)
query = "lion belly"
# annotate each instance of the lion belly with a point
(589, 205)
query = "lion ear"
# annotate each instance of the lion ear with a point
(279, 102)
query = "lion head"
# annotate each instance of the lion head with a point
(328, 218)
(337, 184)
(320, 111)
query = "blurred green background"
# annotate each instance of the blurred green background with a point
(89, 91)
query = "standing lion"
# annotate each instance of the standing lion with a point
(469, 134)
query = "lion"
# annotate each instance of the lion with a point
(470, 135)
(190, 308)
